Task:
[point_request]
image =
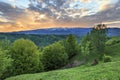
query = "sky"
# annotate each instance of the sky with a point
(20, 15)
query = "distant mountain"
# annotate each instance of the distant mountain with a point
(65, 31)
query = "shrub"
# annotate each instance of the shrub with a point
(26, 57)
(54, 56)
(107, 58)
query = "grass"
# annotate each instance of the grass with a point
(102, 71)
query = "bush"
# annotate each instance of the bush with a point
(26, 57)
(107, 58)
(54, 56)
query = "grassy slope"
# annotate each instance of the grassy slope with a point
(103, 71)
(114, 49)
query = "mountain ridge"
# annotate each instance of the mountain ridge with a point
(66, 31)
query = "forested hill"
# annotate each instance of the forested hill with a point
(65, 31)
(38, 39)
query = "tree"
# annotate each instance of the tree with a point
(85, 46)
(5, 61)
(5, 44)
(26, 57)
(54, 56)
(71, 46)
(98, 38)
(85, 49)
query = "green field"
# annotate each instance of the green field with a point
(102, 71)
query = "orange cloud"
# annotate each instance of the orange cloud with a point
(105, 7)
(84, 1)
(112, 22)
(105, 4)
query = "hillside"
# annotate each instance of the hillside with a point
(102, 71)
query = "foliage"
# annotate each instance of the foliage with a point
(54, 56)
(71, 46)
(26, 57)
(5, 61)
(107, 58)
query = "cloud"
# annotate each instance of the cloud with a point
(106, 6)
(2, 19)
(13, 5)
(113, 22)
(12, 0)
